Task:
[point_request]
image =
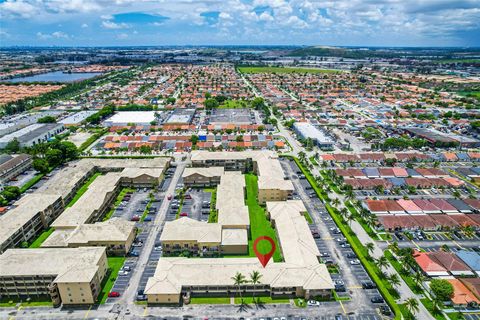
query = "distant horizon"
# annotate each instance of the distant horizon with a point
(238, 46)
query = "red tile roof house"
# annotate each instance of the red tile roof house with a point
(376, 206)
(454, 265)
(399, 222)
(393, 207)
(445, 221)
(426, 206)
(473, 284)
(429, 267)
(462, 296)
(409, 206)
(444, 206)
(425, 222)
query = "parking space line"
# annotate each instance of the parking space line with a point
(343, 308)
(355, 287)
(86, 313)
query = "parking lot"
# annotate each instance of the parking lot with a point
(335, 250)
(135, 206)
(232, 116)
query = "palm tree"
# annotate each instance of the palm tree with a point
(412, 305)
(255, 277)
(418, 277)
(336, 202)
(238, 280)
(369, 246)
(393, 246)
(394, 279)
(382, 262)
(350, 218)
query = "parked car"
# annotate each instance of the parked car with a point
(187, 196)
(114, 294)
(385, 310)
(376, 299)
(368, 285)
(355, 262)
(147, 219)
(183, 214)
(316, 235)
(135, 218)
(312, 303)
(169, 197)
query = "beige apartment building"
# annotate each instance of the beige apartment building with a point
(272, 183)
(202, 177)
(12, 166)
(69, 276)
(116, 235)
(35, 212)
(299, 275)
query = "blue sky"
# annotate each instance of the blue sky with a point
(256, 22)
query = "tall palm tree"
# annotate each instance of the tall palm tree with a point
(394, 279)
(336, 202)
(412, 305)
(369, 246)
(255, 277)
(238, 280)
(382, 262)
(393, 246)
(418, 277)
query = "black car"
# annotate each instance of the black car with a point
(385, 310)
(351, 255)
(368, 285)
(377, 299)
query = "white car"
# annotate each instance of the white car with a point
(355, 262)
(313, 303)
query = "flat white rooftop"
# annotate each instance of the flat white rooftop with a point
(136, 117)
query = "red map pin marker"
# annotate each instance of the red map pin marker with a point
(264, 257)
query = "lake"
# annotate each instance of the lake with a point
(56, 76)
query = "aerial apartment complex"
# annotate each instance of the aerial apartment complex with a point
(71, 263)
(300, 274)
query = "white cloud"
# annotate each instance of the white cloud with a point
(53, 35)
(18, 8)
(112, 25)
(265, 17)
(84, 25)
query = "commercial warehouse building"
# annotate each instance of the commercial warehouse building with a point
(306, 130)
(33, 134)
(68, 275)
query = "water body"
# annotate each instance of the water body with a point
(56, 76)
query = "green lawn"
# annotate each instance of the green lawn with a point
(407, 278)
(313, 161)
(475, 94)
(428, 304)
(83, 189)
(213, 216)
(362, 221)
(119, 199)
(259, 224)
(234, 104)
(41, 238)
(210, 300)
(308, 218)
(114, 265)
(145, 212)
(34, 302)
(267, 299)
(284, 70)
(31, 182)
